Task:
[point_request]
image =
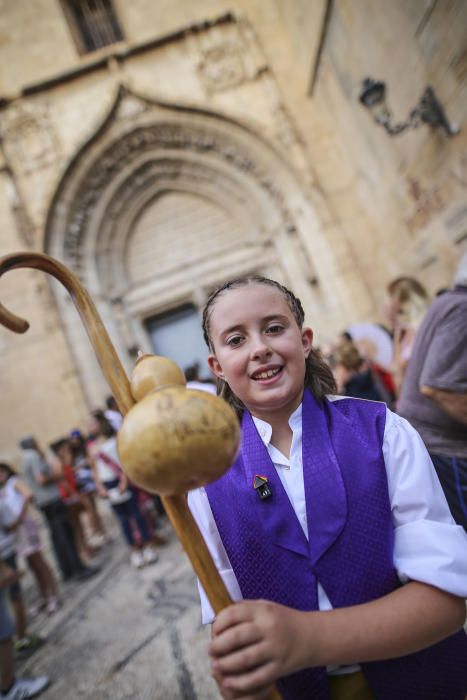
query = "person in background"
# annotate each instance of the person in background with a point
(406, 305)
(112, 413)
(25, 643)
(42, 476)
(12, 688)
(71, 496)
(434, 392)
(87, 487)
(112, 484)
(29, 546)
(194, 381)
(354, 376)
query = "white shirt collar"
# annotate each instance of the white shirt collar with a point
(265, 430)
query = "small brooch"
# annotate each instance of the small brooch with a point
(261, 486)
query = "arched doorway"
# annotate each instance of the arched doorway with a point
(162, 204)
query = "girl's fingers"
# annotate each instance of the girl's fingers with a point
(252, 681)
(233, 639)
(233, 615)
(245, 659)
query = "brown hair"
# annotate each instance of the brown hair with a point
(348, 356)
(318, 375)
(105, 427)
(8, 468)
(402, 288)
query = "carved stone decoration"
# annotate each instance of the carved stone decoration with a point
(158, 138)
(160, 206)
(222, 67)
(29, 139)
(130, 106)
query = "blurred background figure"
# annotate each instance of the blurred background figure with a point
(12, 688)
(42, 477)
(404, 310)
(18, 497)
(112, 413)
(354, 375)
(25, 643)
(71, 497)
(113, 485)
(434, 392)
(375, 345)
(87, 487)
(194, 380)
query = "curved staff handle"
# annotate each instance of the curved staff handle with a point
(176, 506)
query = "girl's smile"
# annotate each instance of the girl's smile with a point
(259, 348)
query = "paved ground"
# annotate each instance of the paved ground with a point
(126, 634)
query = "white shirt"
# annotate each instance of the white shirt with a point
(202, 386)
(13, 498)
(115, 419)
(428, 545)
(105, 471)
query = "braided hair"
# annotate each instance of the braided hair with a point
(318, 375)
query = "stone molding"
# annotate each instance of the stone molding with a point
(144, 148)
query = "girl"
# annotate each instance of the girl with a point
(332, 513)
(112, 484)
(19, 498)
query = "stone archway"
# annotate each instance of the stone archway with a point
(163, 203)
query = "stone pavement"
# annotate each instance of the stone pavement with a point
(126, 634)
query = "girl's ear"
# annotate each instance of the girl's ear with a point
(215, 367)
(307, 340)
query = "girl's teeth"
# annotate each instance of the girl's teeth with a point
(266, 375)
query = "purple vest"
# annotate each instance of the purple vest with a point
(350, 547)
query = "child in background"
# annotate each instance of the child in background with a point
(331, 521)
(29, 545)
(25, 643)
(71, 497)
(87, 487)
(113, 485)
(11, 687)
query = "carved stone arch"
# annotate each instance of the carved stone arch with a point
(148, 154)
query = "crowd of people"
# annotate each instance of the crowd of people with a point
(426, 381)
(64, 483)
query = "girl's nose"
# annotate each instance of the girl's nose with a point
(260, 349)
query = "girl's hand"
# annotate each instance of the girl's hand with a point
(102, 491)
(123, 484)
(262, 694)
(254, 643)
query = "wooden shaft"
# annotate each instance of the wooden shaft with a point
(176, 506)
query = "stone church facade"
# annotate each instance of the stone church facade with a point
(207, 140)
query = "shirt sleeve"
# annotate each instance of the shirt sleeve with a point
(445, 361)
(36, 466)
(198, 503)
(428, 545)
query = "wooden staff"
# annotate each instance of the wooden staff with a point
(176, 506)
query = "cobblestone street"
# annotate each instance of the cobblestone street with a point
(125, 633)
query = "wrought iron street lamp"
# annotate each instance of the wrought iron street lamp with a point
(429, 110)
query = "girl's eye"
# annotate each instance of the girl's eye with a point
(275, 328)
(234, 340)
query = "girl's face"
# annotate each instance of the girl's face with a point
(260, 350)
